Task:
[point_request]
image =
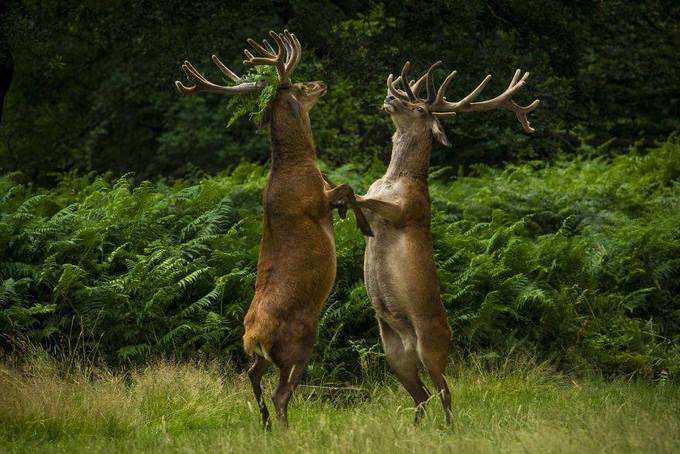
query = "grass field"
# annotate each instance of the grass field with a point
(46, 406)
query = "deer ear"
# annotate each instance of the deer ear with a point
(294, 106)
(439, 134)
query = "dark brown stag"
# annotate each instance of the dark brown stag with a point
(399, 268)
(297, 264)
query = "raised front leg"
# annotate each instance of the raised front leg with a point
(391, 211)
(341, 196)
(341, 205)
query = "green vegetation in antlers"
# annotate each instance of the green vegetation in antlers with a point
(255, 104)
(577, 262)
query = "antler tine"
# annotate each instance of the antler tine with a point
(468, 99)
(445, 106)
(294, 50)
(430, 82)
(502, 99)
(392, 86)
(404, 81)
(498, 100)
(415, 86)
(192, 72)
(254, 61)
(260, 49)
(516, 76)
(267, 56)
(289, 50)
(193, 75)
(280, 58)
(184, 90)
(279, 43)
(297, 48)
(226, 71)
(444, 86)
(521, 114)
(269, 46)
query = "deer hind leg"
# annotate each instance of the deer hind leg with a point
(404, 363)
(289, 377)
(433, 351)
(255, 373)
(439, 380)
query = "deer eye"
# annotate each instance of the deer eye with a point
(420, 109)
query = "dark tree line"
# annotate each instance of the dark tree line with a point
(6, 63)
(91, 82)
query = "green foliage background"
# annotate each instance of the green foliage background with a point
(93, 84)
(575, 261)
(130, 216)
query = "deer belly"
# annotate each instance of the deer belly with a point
(389, 275)
(316, 261)
(297, 260)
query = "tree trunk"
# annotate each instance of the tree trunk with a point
(6, 75)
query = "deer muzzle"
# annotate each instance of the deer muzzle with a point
(388, 104)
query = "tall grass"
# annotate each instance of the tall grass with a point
(576, 261)
(47, 406)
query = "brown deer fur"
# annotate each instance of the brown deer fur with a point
(297, 264)
(399, 268)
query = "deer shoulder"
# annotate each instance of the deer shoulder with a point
(402, 201)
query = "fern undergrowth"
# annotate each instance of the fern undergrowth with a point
(576, 261)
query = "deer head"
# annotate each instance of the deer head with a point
(299, 97)
(409, 110)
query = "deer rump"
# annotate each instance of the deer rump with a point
(295, 272)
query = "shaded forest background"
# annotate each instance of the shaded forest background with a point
(130, 216)
(91, 81)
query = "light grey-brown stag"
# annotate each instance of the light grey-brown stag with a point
(399, 268)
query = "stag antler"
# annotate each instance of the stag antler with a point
(286, 43)
(440, 107)
(201, 84)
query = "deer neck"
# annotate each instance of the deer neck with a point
(410, 154)
(291, 136)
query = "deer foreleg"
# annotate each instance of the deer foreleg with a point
(341, 196)
(391, 211)
(338, 196)
(341, 206)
